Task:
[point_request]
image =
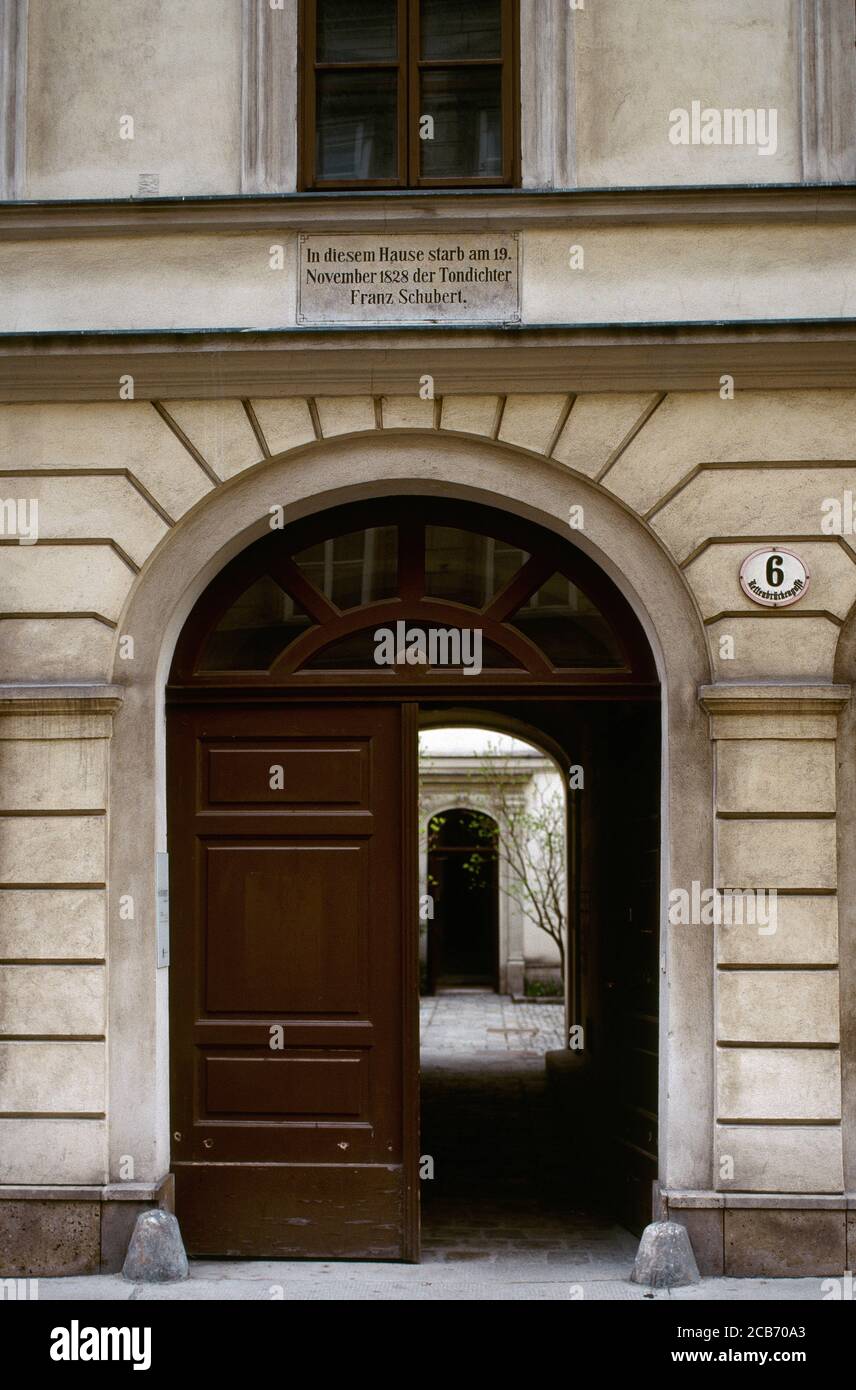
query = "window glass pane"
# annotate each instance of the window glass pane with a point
(361, 567)
(356, 125)
(466, 106)
(357, 652)
(254, 630)
(349, 33)
(461, 28)
(567, 626)
(467, 568)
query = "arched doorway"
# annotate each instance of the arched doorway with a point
(463, 880)
(293, 703)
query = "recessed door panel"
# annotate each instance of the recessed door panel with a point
(289, 774)
(287, 928)
(299, 1085)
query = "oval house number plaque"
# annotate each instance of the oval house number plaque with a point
(774, 578)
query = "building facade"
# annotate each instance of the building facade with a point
(577, 279)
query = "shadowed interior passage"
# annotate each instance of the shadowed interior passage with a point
(501, 1182)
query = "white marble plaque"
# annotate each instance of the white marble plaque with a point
(418, 278)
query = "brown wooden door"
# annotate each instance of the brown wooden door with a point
(293, 991)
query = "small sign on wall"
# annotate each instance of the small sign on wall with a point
(162, 908)
(774, 577)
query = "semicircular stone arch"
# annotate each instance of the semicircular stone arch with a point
(329, 474)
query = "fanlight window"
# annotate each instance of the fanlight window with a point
(308, 603)
(352, 570)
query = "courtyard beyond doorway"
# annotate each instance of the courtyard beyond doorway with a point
(501, 1188)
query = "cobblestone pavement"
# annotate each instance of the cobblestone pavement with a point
(500, 1189)
(467, 1021)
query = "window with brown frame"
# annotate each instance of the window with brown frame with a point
(408, 93)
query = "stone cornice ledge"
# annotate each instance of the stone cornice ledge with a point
(60, 699)
(208, 364)
(438, 210)
(792, 698)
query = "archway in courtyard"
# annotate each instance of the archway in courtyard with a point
(294, 700)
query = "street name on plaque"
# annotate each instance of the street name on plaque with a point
(409, 279)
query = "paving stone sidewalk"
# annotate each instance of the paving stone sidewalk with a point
(505, 1278)
(500, 1219)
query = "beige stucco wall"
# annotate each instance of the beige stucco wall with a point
(778, 1023)
(692, 468)
(596, 96)
(711, 477)
(644, 274)
(637, 62)
(138, 509)
(53, 980)
(175, 68)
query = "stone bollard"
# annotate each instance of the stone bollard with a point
(665, 1258)
(155, 1250)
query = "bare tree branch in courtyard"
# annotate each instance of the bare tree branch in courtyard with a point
(531, 839)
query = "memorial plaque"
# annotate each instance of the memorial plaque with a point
(422, 278)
